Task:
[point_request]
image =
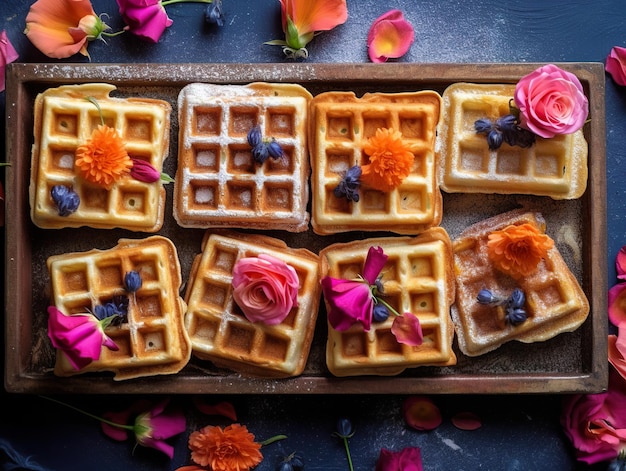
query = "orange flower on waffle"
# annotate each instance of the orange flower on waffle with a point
(103, 159)
(517, 250)
(230, 449)
(390, 160)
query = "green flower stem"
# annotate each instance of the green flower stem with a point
(101, 419)
(93, 101)
(273, 439)
(112, 35)
(5, 164)
(345, 444)
(170, 2)
(388, 306)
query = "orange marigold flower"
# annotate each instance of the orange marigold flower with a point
(103, 159)
(517, 250)
(230, 449)
(390, 160)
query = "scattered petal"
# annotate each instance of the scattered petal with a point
(421, 413)
(390, 36)
(616, 65)
(225, 409)
(8, 54)
(466, 421)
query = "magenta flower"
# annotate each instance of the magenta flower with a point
(390, 36)
(617, 350)
(152, 424)
(620, 263)
(352, 301)
(79, 336)
(144, 171)
(8, 54)
(616, 65)
(407, 459)
(145, 18)
(596, 423)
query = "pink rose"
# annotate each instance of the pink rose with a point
(616, 65)
(596, 423)
(79, 336)
(145, 18)
(265, 288)
(390, 36)
(551, 101)
(408, 459)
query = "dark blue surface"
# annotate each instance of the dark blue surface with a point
(518, 433)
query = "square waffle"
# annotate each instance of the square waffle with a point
(64, 120)
(218, 182)
(154, 340)
(340, 123)
(555, 302)
(555, 167)
(417, 278)
(221, 333)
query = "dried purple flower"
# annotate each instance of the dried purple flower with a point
(132, 281)
(349, 184)
(66, 200)
(214, 13)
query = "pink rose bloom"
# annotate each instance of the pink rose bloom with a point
(620, 263)
(616, 65)
(265, 288)
(79, 336)
(596, 423)
(551, 101)
(408, 459)
(152, 425)
(145, 18)
(351, 301)
(617, 304)
(617, 350)
(8, 54)
(389, 36)
(407, 329)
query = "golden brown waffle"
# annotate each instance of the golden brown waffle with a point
(154, 340)
(219, 330)
(555, 167)
(555, 302)
(218, 183)
(340, 124)
(417, 278)
(64, 120)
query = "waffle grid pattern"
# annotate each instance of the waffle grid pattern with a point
(342, 124)
(221, 333)
(554, 301)
(550, 167)
(219, 183)
(67, 123)
(153, 339)
(415, 279)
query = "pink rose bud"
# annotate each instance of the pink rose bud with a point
(144, 172)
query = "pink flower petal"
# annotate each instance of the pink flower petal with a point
(145, 18)
(408, 459)
(374, 263)
(225, 409)
(616, 65)
(348, 302)
(390, 36)
(8, 54)
(620, 263)
(407, 329)
(421, 413)
(466, 421)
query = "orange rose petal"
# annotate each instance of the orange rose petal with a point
(466, 421)
(421, 413)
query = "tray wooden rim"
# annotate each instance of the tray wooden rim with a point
(593, 376)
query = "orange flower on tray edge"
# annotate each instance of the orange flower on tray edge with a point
(103, 159)
(517, 249)
(390, 160)
(230, 449)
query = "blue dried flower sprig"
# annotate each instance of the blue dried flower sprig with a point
(262, 149)
(214, 13)
(505, 129)
(292, 462)
(515, 314)
(345, 430)
(66, 199)
(349, 184)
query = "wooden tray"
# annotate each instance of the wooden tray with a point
(572, 362)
